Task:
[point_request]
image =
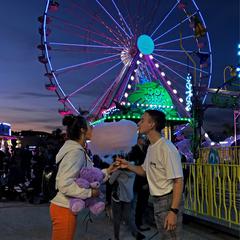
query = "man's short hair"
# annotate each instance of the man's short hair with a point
(159, 119)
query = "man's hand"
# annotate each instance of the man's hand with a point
(170, 221)
(122, 163)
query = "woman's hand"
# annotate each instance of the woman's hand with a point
(95, 192)
(122, 163)
(112, 168)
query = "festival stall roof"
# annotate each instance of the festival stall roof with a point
(150, 95)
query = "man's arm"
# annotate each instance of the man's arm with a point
(137, 169)
(177, 192)
(125, 164)
(171, 218)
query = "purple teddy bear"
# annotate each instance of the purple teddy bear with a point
(90, 177)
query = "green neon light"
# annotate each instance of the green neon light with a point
(147, 105)
(98, 121)
(151, 95)
(138, 117)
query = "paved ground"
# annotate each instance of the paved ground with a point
(23, 221)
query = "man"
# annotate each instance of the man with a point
(163, 169)
(141, 190)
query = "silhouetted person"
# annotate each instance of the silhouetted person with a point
(26, 157)
(141, 189)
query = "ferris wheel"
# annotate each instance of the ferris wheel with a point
(96, 52)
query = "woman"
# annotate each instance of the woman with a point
(71, 158)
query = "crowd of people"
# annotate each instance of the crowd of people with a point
(21, 172)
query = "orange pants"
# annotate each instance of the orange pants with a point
(63, 223)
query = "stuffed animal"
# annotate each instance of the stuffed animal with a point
(90, 177)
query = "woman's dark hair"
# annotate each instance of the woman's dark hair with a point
(159, 119)
(74, 125)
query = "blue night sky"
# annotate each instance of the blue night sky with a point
(26, 104)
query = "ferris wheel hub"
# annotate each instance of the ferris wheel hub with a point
(145, 44)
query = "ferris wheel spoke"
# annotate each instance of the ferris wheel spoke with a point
(174, 40)
(120, 14)
(117, 36)
(98, 101)
(80, 51)
(94, 79)
(170, 69)
(72, 106)
(148, 72)
(100, 60)
(97, 19)
(160, 24)
(129, 15)
(171, 50)
(83, 45)
(94, 32)
(177, 25)
(184, 64)
(171, 90)
(104, 9)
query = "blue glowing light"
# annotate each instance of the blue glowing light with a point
(189, 92)
(145, 44)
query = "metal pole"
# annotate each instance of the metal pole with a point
(236, 115)
(195, 103)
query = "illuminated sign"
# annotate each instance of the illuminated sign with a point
(189, 92)
(5, 129)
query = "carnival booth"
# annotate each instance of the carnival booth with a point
(5, 136)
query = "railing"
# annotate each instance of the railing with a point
(212, 191)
